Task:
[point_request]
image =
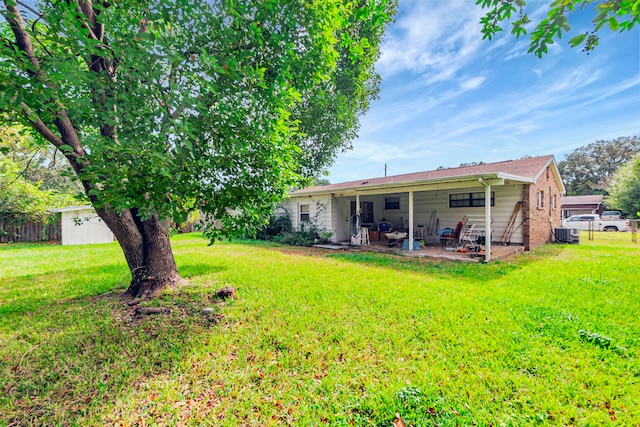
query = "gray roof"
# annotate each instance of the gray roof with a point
(523, 170)
(588, 200)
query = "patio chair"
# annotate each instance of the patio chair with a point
(451, 240)
(384, 226)
(466, 236)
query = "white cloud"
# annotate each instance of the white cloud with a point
(431, 38)
(450, 97)
(472, 83)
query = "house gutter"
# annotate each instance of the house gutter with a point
(382, 188)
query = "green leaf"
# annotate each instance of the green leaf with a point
(67, 149)
(613, 24)
(577, 40)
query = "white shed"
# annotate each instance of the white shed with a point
(81, 225)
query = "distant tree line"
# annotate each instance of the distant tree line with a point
(589, 169)
(611, 168)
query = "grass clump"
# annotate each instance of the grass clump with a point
(317, 338)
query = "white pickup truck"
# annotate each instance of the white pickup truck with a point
(582, 222)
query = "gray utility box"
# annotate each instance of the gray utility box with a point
(567, 235)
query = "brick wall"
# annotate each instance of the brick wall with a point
(539, 222)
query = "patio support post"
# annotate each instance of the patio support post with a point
(487, 221)
(357, 235)
(410, 220)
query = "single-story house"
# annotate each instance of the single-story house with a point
(524, 203)
(81, 225)
(581, 205)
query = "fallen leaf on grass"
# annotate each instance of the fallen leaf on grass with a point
(399, 422)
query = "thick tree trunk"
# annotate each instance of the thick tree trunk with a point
(147, 249)
(146, 243)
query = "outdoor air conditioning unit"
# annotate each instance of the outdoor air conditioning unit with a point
(567, 235)
(574, 233)
(562, 235)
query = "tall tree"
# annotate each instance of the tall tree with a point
(588, 169)
(617, 15)
(164, 108)
(625, 188)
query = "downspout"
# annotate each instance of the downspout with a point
(487, 220)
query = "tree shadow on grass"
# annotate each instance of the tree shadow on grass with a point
(444, 269)
(78, 357)
(440, 269)
(28, 292)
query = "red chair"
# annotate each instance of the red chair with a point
(451, 240)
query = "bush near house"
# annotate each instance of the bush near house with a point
(279, 224)
(280, 230)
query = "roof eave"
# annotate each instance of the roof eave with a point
(412, 183)
(70, 209)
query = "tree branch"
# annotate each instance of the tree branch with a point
(40, 126)
(29, 8)
(68, 134)
(22, 38)
(96, 31)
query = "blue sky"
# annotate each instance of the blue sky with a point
(448, 97)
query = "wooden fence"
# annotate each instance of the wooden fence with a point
(10, 232)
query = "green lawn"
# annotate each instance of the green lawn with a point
(322, 338)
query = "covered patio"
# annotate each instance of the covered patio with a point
(505, 207)
(422, 211)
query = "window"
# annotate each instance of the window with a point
(553, 201)
(540, 199)
(391, 203)
(304, 213)
(366, 213)
(469, 200)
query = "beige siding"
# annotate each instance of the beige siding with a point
(290, 207)
(505, 198)
(336, 212)
(319, 211)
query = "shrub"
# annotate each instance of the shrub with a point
(279, 224)
(298, 238)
